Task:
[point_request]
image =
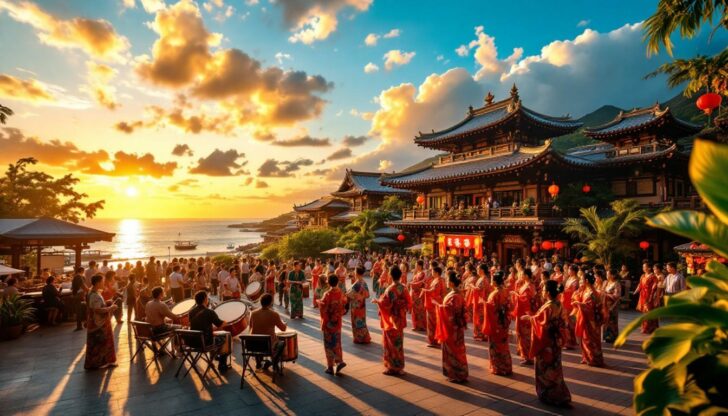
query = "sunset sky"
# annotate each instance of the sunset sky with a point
(240, 108)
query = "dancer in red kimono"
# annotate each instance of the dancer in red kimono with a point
(612, 297)
(358, 295)
(433, 292)
(393, 306)
(495, 326)
(451, 326)
(526, 302)
(589, 310)
(419, 315)
(331, 308)
(571, 285)
(317, 282)
(481, 289)
(549, 327)
(649, 300)
(468, 279)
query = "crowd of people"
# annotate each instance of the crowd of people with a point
(553, 305)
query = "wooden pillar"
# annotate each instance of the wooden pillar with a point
(37, 260)
(77, 260)
(15, 257)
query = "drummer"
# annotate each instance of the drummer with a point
(202, 318)
(156, 310)
(265, 321)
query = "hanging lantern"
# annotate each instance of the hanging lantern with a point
(553, 190)
(547, 245)
(400, 237)
(420, 199)
(534, 249)
(709, 102)
(644, 245)
(559, 245)
(586, 188)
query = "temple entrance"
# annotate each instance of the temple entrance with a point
(513, 247)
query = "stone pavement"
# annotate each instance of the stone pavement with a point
(42, 373)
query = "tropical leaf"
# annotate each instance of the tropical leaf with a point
(670, 344)
(646, 403)
(694, 225)
(708, 175)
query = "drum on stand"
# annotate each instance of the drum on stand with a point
(305, 289)
(182, 311)
(290, 348)
(237, 315)
(254, 291)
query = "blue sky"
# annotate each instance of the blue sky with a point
(566, 56)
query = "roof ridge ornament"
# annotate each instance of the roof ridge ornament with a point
(489, 98)
(514, 93)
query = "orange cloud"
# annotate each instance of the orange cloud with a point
(129, 164)
(99, 76)
(30, 90)
(315, 20)
(16, 145)
(95, 37)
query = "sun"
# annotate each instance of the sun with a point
(131, 192)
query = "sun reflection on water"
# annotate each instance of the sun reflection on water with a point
(129, 242)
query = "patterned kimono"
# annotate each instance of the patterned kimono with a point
(612, 294)
(100, 338)
(525, 305)
(451, 326)
(296, 293)
(332, 310)
(435, 290)
(419, 315)
(648, 300)
(570, 286)
(384, 281)
(495, 327)
(588, 324)
(393, 306)
(468, 280)
(375, 273)
(317, 276)
(359, 293)
(549, 327)
(480, 295)
(341, 274)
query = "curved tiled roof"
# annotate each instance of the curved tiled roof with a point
(365, 182)
(640, 119)
(322, 203)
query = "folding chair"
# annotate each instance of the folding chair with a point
(255, 346)
(193, 347)
(146, 338)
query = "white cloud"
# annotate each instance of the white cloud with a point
(462, 50)
(395, 57)
(153, 6)
(280, 57)
(371, 67)
(583, 23)
(394, 33)
(315, 20)
(384, 165)
(371, 39)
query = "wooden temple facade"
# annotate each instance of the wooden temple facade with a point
(494, 187)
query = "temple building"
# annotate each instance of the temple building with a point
(494, 192)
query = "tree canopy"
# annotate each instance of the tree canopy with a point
(306, 243)
(29, 194)
(359, 235)
(5, 112)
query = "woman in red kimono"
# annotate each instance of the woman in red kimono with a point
(341, 273)
(393, 306)
(451, 326)
(481, 288)
(589, 310)
(331, 308)
(100, 351)
(419, 315)
(433, 293)
(358, 295)
(384, 279)
(526, 304)
(649, 300)
(468, 279)
(558, 274)
(549, 327)
(317, 281)
(612, 295)
(495, 327)
(571, 285)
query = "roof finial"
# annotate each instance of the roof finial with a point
(489, 98)
(470, 110)
(514, 93)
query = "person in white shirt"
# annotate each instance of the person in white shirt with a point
(352, 263)
(176, 284)
(104, 267)
(675, 281)
(547, 265)
(368, 265)
(231, 287)
(245, 271)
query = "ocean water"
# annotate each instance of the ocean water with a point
(137, 239)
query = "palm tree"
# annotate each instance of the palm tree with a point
(603, 238)
(700, 73)
(687, 16)
(5, 112)
(360, 233)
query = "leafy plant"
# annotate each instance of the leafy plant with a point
(603, 238)
(16, 311)
(358, 235)
(393, 204)
(526, 206)
(269, 252)
(307, 243)
(702, 73)
(687, 16)
(689, 357)
(225, 259)
(5, 112)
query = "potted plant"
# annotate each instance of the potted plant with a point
(14, 313)
(526, 206)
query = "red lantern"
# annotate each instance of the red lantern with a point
(586, 188)
(534, 249)
(709, 102)
(420, 199)
(553, 190)
(547, 245)
(644, 245)
(400, 237)
(559, 245)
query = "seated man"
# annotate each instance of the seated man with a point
(202, 318)
(264, 321)
(155, 312)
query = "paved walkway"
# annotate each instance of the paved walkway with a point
(42, 373)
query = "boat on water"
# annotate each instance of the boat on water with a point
(185, 245)
(87, 255)
(231, 246)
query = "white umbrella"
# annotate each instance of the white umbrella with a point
(338, 250)
(415, 247)
(5, 270)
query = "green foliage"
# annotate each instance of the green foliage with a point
(25, 194)
(307, 243)
(701, 73)
(225, 259)
(603, 238)
(689, 357)
(5, 112)
(573, 196)
(15, 311)
(358, 235)
(270, 252)
(393, 204)
(686, 16)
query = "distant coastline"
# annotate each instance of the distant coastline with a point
(268, 225)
